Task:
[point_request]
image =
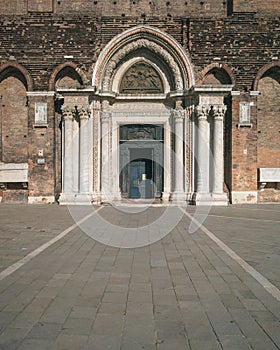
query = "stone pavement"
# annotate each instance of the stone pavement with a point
(181, 292)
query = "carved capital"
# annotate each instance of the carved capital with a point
(67, 112)
(219, 112)
(202, 111)
(178, 115)
(83, 113)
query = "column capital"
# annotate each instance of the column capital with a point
(202, 111)
(219, 112)
(178, 115)
(83, 112)
(67, 112)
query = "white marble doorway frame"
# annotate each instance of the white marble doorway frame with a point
(154, 118)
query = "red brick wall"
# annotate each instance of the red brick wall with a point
(244, 148)
(269, 121)
(41, 177)
(14, 127)
(270, 7)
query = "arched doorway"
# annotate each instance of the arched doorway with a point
(142, 81)
(141, 78)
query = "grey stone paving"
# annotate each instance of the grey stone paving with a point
(182, 292)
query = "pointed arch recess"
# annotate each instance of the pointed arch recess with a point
(59, 68)
(262, 71)
(17, 67)
(151, 39)
(219, 66)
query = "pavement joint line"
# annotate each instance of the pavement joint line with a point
(264, 282)
(241, 218)
(18, 264)
(255, 209)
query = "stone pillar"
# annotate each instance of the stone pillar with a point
(84, 196)
(67, 195)
(105, 153)
(218, 149)
(84, 151)
(167, 163)
(203, 150)
(179, 194)
(75, 152)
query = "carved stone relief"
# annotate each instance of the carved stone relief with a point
(138, 44)
(141, 78)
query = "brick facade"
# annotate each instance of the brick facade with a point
(235, 38)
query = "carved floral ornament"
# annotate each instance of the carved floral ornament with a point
(133, 46)
(218, 111)
(70, 113)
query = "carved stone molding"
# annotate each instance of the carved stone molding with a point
(133, 46)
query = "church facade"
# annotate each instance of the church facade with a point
(134, 100)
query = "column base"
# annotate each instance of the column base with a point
(83, 199)
(165, 197)
(75, 199)
(66, 198)
(178, 197)
(212, 199)
(110, 197)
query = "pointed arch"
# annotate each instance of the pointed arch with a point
(221, 74)
(151, 42)
(263, 70)
(64, 69)
(14, 68)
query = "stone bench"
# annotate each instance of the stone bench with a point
(12, 173)
(266, 175)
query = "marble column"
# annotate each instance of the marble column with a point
(75, 152)
(179, 194)
(67, 166)
(218, 149)
(203, 149)
(105, 154)
(167, 163)
(84, 151)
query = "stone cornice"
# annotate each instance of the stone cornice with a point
(40, 93)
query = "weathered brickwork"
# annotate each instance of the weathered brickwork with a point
(14, 133)
(233, 40)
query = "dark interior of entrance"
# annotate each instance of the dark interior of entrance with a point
(141, 160)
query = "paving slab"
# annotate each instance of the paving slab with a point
(183, 291)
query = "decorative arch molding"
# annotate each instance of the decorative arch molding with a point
(62, 66)
(7, 68)
(220, 66)
(262, 71)
(152, 40)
